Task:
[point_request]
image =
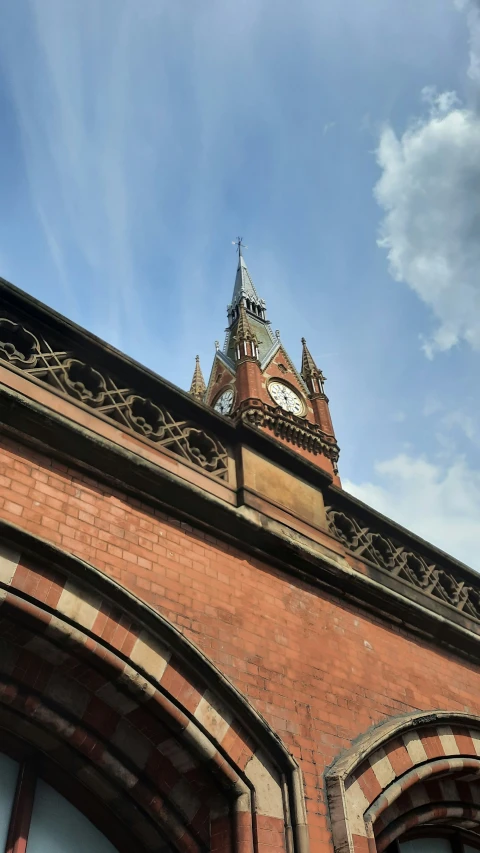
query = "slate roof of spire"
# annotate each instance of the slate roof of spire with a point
(243, 291)
(244, 286)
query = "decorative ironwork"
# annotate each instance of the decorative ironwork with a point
(291, 428)
(390, 555)
(69, 375)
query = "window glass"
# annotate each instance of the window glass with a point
(8, 781)
(58, 827)
(425, 845)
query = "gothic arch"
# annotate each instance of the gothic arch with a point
(103, 687)
(422, 768)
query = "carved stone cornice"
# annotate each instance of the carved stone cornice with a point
(289, 427)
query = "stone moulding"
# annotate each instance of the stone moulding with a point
(70, 374)
(293, 429)
(388, 553)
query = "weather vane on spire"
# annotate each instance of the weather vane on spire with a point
(238, 243)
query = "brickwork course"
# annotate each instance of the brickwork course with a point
(204, 640)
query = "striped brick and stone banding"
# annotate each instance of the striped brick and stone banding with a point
(99, 694)
(438, 801)
(425, 769)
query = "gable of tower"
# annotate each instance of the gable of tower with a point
(221, 375)
(280, 367)
(280, 362)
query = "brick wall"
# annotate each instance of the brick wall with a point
(320, 672)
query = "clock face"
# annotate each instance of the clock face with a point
(286, 398)
(225, 402)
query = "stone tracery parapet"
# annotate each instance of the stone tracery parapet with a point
(389, 553)
(58, 364)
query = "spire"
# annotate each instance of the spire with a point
(198, 387)
(246, 343)
(312, 375)
(244, 287)
(244, 290)
(244, 293)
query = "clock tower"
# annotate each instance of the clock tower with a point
(253, 380)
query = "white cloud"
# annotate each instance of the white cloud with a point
(71, 135)
(439, 503)
(429, 190)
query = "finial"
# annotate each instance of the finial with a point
(238, 243)
(197, 359)
(303, 341)
(217, 346)
(277, 333)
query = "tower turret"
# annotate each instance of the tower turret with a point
(254, 380)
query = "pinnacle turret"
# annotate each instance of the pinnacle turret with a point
(314, 380)
(311, 374)
(198, 386)
(246, 343)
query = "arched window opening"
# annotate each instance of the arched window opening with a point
(35, 818)
(411, 785)
(57, 826)
(129, 725)
(431, 839)
(8, 781)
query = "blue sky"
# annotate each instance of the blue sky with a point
(139, 137)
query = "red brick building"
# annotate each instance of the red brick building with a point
(205, 643)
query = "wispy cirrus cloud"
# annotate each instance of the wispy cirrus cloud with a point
(131, 119)
(73, 138)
